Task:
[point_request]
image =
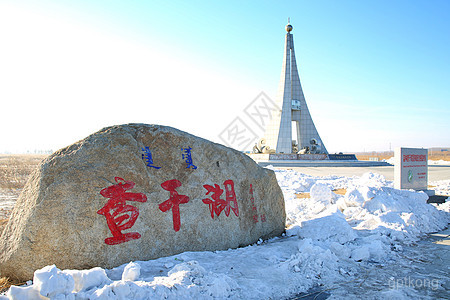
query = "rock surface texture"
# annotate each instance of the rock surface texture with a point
(138, 192)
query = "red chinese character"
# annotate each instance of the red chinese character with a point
(263, 217)
(120, 216)
(255, 219)
(216, 205)
(174, 201)
(230, 197)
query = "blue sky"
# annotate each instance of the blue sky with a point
(376, 74)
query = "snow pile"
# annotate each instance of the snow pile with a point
(390, 160)
(443, 206)
(319, 230)
(439, 162)
(441, 187)
(369, 220)
(319, 264)
(330, 239)
(187, 280)
(399, 215)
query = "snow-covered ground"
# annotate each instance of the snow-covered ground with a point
(441, 187)
(344, 246)
(430, 162)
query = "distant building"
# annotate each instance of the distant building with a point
(290, 98)
(438, 149)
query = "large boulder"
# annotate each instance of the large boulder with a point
(138, 192)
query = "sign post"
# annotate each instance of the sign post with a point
(411, 169)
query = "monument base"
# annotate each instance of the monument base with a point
(286, 156)
(293, 156)
(309, 160)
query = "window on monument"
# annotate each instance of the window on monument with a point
(296, 104)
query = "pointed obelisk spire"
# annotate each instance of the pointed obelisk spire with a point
(293, 106)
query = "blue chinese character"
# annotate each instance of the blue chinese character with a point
(147, 157)
(187, 156)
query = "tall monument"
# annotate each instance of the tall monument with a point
(290, 99)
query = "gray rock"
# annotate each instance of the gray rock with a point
(138, 192)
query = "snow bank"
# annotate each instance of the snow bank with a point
(441, 187)
(186, 280)
(330, 239)
(439, 162)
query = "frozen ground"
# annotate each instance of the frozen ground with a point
(373, 242)
(7, 201)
